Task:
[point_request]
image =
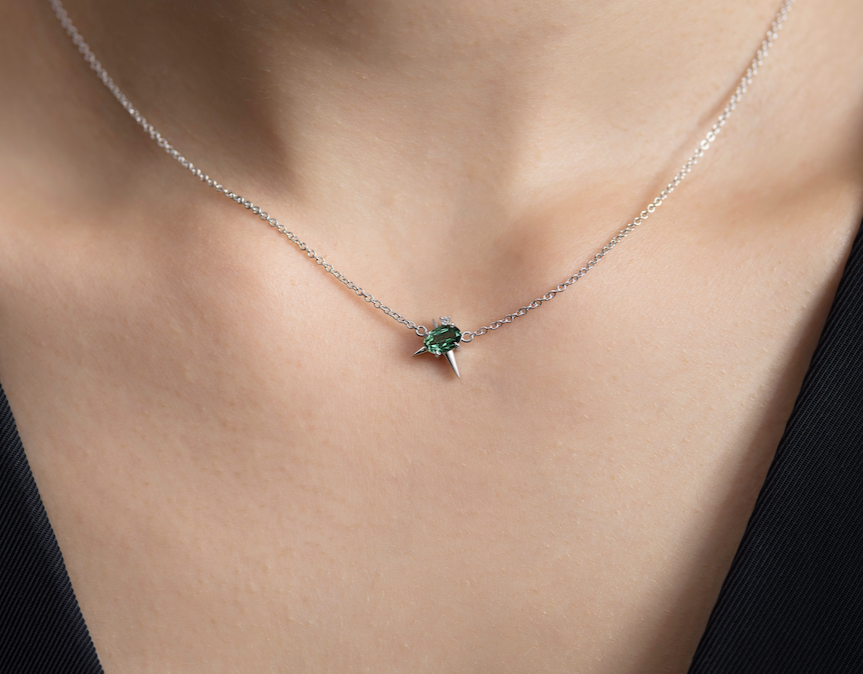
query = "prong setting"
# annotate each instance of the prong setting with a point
(442, 340)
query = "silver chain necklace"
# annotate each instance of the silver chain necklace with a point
(444, 338)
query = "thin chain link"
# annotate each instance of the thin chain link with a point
(103, 75)
(703, 146)
(421, 330)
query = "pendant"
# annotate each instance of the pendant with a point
(443, 339)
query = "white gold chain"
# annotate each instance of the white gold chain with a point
(421, 330)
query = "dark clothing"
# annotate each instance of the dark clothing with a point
(792, 602)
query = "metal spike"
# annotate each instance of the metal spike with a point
(450, 356)
(422, 350)
(434, 324)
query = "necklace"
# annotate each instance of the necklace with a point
(444, 338)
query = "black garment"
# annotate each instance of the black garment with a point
(792, 602)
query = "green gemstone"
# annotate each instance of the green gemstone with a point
(442, 339)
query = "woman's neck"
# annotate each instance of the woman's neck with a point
(464, 106)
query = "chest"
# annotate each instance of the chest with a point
(234, 483)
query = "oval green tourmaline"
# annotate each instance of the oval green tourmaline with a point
(442, 339)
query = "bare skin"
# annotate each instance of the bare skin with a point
(246, 470)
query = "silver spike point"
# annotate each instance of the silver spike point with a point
(450, 356)
(434, 324)
(421, 350)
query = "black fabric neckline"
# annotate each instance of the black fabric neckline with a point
(792, 602)
(42, 630)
